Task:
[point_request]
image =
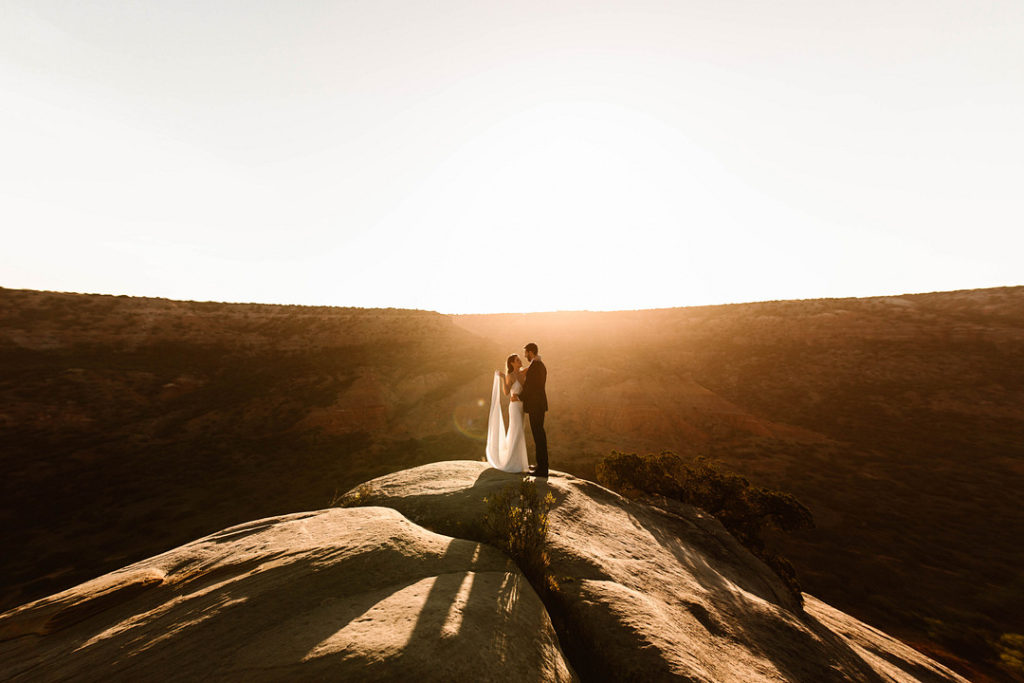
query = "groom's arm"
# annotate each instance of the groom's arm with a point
(526, 384)
(541, 374)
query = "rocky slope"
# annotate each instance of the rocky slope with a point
(650, 595)
(365, 593)
(341, 594)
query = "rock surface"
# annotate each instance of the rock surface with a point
(347, 594)
(367, 593)
(650, 595)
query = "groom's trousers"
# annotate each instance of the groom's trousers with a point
(540, 439)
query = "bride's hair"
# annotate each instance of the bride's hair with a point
(508, 361)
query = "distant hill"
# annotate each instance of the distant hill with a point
(129, 426)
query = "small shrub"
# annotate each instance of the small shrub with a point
(745, 511)
(516, 521)
(1011, 652)
(360, 496)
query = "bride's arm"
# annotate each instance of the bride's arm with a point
(505, 383)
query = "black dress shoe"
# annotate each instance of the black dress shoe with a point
(539, 474)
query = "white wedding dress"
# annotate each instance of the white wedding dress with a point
(506, 451)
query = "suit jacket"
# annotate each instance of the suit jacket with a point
(533, 396)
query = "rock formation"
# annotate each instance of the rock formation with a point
(341, 594)
(404, 589)
(645, 594)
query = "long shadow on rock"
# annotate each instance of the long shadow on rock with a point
(301, 613)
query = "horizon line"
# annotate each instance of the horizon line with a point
(535, 312)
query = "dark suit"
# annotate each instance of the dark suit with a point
(535, 404)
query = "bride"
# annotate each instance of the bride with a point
(507, 451)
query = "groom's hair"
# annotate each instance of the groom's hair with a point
(531, 348)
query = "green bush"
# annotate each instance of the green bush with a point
(745, 511)
(516, 521)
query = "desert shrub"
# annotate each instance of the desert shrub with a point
(1011, 652)
(362, 495)
(516, 520)
(746, 511)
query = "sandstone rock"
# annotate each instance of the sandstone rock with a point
(345, 594)
(364, 593)
(646, 594)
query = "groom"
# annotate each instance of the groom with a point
(535, 404)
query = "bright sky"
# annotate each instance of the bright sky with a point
(511, 156)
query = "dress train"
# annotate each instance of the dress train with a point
(506, 450)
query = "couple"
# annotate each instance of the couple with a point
(525, 389)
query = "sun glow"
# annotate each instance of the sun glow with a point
(510, 159)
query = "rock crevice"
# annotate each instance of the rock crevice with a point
(652, 594)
